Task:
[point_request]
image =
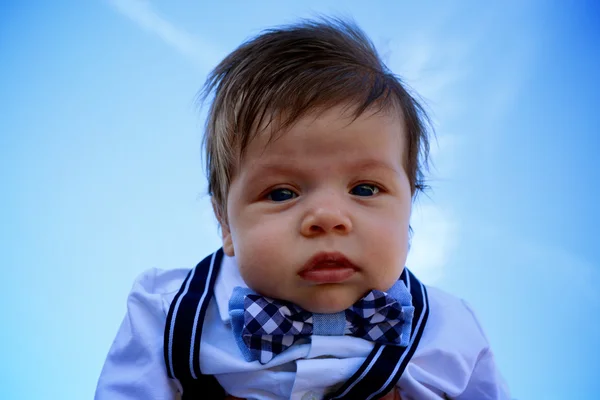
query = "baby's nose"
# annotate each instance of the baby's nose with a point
(326, 220)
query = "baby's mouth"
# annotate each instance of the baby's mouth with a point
(331, 267)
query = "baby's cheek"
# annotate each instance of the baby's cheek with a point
(396, 236)
(387, 251)
(266, 244)
(260, 259)
(258, 274)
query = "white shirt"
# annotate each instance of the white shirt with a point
(452, 359)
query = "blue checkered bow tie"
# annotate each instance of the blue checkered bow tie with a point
(264, 327)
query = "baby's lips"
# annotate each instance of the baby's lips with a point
(331, 259)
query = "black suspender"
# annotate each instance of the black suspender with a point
(376, 376)
(184, 328)
(385, 364)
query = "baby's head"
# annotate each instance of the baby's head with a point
(314, 154)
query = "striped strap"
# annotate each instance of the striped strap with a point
(184, 326)
(385, 364)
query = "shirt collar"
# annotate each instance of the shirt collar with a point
(229, 277)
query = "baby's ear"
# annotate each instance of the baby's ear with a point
(225, 232)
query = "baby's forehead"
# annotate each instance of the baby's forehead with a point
(327, 120)
(327, 136)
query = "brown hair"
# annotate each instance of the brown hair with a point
(288, 71)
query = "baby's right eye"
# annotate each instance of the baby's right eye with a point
(279, 195)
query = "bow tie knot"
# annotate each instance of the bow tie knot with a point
(265, 327)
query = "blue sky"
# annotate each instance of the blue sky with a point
(102, 172)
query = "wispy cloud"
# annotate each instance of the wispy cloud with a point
(148, 18)
(435, 226)
(443, 66)
(433, 242)
(436, 67)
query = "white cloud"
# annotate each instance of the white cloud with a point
(433, 241)
(434, 66)
(441, 66)
(146, 17)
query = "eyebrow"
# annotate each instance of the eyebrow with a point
(373, 164)
(260, 167)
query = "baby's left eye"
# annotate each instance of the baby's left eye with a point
(364, 190)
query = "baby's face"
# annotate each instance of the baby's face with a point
(320, 216)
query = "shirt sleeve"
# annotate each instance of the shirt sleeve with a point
(486, 382)
(134, 367)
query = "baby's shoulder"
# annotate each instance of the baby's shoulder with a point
(452, 324)
(158, 283)
(453, 355)
(449, 304)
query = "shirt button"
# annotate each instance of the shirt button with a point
(310, 396)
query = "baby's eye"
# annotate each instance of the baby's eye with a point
(281, 195)
(364, 190)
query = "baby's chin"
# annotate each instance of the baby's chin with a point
(321, 303)
(322, 299)
(325, 308)
(327, 302)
